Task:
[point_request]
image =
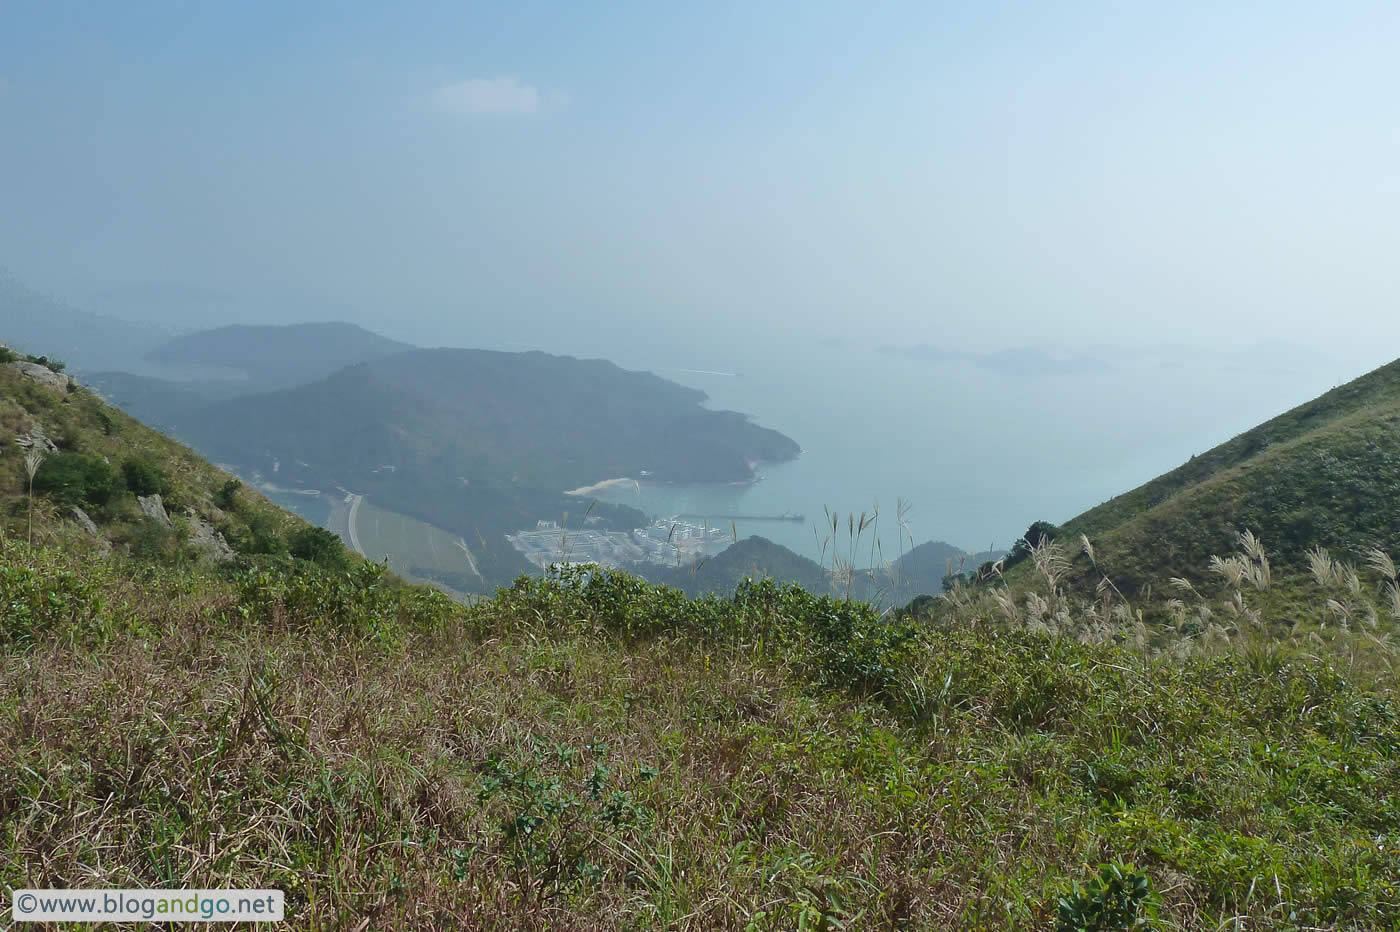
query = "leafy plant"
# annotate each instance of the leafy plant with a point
(227, 495)
(318, 545)
(143, 478)
(1118, 899)
(77, 479)
(554, 819)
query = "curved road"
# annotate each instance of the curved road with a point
(350, 524)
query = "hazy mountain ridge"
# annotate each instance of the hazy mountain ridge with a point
(1052, 359)
(282, 356)
(86, 341)
(531, 419)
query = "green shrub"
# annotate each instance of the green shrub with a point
(144, 478)
(1039, 533)
(318, 545)
(839, 643)
(556, 812)
(36, 599)
(262, 534)
(76, 479)
(227, 495)
(53, 365)
(1118, 899)
(104, 419)
(151, 540)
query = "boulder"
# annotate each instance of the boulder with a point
(206, 538)
(82, 518)
(153, 508)
(41, 374)
(101, 544)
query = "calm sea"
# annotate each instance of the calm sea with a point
(975, 454)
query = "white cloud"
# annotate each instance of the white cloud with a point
(489, 97)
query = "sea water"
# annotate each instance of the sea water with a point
(974, 453)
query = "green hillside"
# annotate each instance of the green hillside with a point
(1324, 474)
(591, 751)
(921, 570)
(751, 558)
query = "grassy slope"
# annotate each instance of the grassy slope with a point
(769, 761)
(79, 421)
(256, 735)
(1322, 474)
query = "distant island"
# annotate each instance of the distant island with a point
(1028, 360)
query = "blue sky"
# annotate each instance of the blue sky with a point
(1077, 172)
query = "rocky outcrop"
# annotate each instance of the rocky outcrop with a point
(100, 543)
(205, 538)
(153, 508)
(41, 374)
(37, 440)
(83, 520)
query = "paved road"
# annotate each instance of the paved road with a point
(353, 533)
(350, 524)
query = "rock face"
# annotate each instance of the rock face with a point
(205, 538)
(82, 518)
(36, 439)
(153, 508)
(42, 374)
(102, 545)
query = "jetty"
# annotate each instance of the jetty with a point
(785, 516)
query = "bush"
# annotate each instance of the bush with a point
(53, 365)
(1109, 903)
(143, 478)
(559, 810)
(1038, 533)
(76, 479)
(358, 602)
(40, 598)
(151, 540)
(263, 534)
(318, 545)
(227, 496)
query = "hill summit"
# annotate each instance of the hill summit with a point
(1323, 474)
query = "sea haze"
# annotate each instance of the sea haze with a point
(977, 448)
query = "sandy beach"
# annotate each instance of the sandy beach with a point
(600, 486)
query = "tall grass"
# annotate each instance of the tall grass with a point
(590, 751)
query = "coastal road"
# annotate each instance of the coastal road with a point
(352, 531)
(350, 524)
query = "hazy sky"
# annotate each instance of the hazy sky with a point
(973, 172)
